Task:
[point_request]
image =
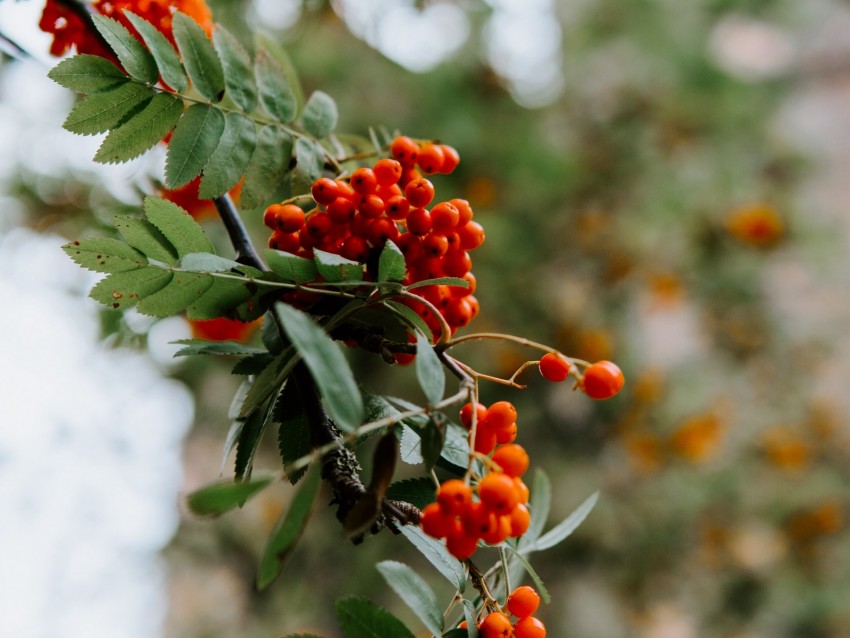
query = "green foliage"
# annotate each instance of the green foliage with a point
(102, 254)
(142, 131)
(87, 74)
(294, 432)
(416, 491)
(319, 115)
(437, 554)
(565, 527)
(275, 93)
(177, 226)
(105, 109)
(238, 69)
(429, 370)
(291, 267)
(415, 592)
(222, 497)
(200, 346)
(194, 141)
(335, 268)
(142, 235)
(361, 618)
(230, 159)
(391, 264)
(132, 55)
(265, 177)
(202, 63)
(166, 58)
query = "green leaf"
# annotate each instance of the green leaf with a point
(416, 491)
(565, 527)
(268, 382)
(238, 70)
(433, 437)
(429, 370)
(336, 268)
(184, 289)
(178, 226)
(411, 318)
(361, 618)
(141, 131)
(288, 530)
(132, 55)
(437, 554)
(411, 446)
(207, 262)
(291, 267)
(146, 238)
(391, 265)
(440, 281)
(230, 441)
(86, 74)
(541, 499)
(221, 299)
(309, 157)
(276, 94)
(327, 365)
(252, 364)
(201, 346)
(248, 442)
(193, 143)
(231, 157)
(221, 497)
(123, 290)
(538, 583)
(103, 254)
(102, 111)
(293, 437)
(415, 592)
(469, 614)
(199, 57)
(320, 115)
(170, 67)
(267, 169)
(456, 446)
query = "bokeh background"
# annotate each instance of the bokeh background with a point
(665, 184)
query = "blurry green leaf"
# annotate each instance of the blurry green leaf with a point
(201, 346)
(361, 618)
(267, 382)
(439, 281)
(233, 434)
(141, 131)
(334, 267)
(456, 446)
(86, 74)
(222, 298)
(252, 364)
(291, 267)
(391, 264)
(541, 499)
(327, 365)
(416, 491)
(132, 55)
(123, 290)
(538, 583)
(309, 157)
(103, 254)
(102, 111)
(437, 554)
(415, 592)
(294, 433)
(145, 237)
(178, 226)
(565, 527)
(288, 530)
(184, 289)
(429, 370)
(206, 262)
(267, 169)
(411, 446)
(199, 57)
(276, 95)
(247, 443)
(238, 70)
(231, 157)
(219, 498)
(411, 318)
(193, 143)
(320, 115)
(433, 438)
(469, 614)
(170, 67)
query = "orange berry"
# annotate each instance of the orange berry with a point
(457, 264)
(465, 211)
(499, 531)
(501, 415)
(397, 207)
(324, 191)
(507, 436)
(529, 627)
(495, 625)
(387, 171)
(471, 235)
(602, 380)
(287, 242)
(289, 218)
(460, 544)
(520, 520)
(554, 367)
(419, 192)
(436, 522)
(454, 496)
(485, 439)
(523, 601)
(512, 458)
(405, 150)
(522, 491)
(363, 181)
(466, 413)
(477, 520)
(419, 221)
(498, 493)
(444, 217)
(430, 158)
(451, 158)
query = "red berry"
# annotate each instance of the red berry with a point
(444, 217)
(381, 230)
(324, 191)
(405, 150)
(466, 413)
(471, 235)
(397, 207)
(435, 245)
(457, 264)
(523, 601)
(287, 242)
(554, 367)
(387, 172)
(341, 210)
(498, 493)
(454, 496)
(520, 520)
(435, 521)
(419, 192)
(496, 625)
(501, 415)
(363, 181)
(370, 205)
(459, 543)
(430, 158)
(512, 458)
(602, 380)
(451, 158)
(355, 249)
(419, 221)
(318, 224)
(529, 627)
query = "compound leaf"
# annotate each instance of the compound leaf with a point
(195, 139)
(146, 238)
(184, 289)
(391, 264)
(291, 267)
(238, 70)
(416, 491)
(333, 267)
(231, 157)
(102, 111)
(170, 67)
(294, 434)
(429, 370)
(103, 254)
(177, 226)
(122, 290)
(565, 527)
(141, 131)
(267, 169)
(132, 55)
(199, 57)
(86, 74)
(437, 554)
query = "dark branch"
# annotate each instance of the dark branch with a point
(245, 251)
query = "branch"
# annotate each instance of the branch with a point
(242, 245)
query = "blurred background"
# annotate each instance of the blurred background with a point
(663, 184)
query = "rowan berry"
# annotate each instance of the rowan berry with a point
(466, 414)
(457, 264)
(523, 601)
(419, 192)
(287, 242)
(458, 313)
(359, 225)
(512, 458)
(435, 522)
(435, 245)
(419, 221)
(498, 493)
(499, 530)
(460, 544)
(341, 210)
(460, 291)
(269, 217)
(397, 207)
(451, 158)
(496, 625)
(429, 267)
(444, 217)
(521, 490)
(602, 380)
(430, 158)
(477, 520)
(464, 210)
(554, 367)
(355, 249)
(381, 230)
(387, 171)
(500, 415)
(344, 189)
(520, 520)
(405, 150)
(454, 496)
(529, 627)
(370, 205)
(324, 191)
(388, 192)
(363, 181)
(318, 224)
(471, 235)
(410, 245)
(506, 436)
(485, 439)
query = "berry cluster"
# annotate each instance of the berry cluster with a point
(600, 380)
(522, 603)
(494, 509)
(357, 215)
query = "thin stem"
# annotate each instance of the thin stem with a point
(445, 329)
(503, 557)
(480, 583)
(477, 336)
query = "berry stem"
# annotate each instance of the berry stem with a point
(478, 336)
